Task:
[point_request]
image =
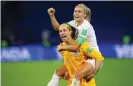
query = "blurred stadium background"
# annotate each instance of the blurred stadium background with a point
(28, 53)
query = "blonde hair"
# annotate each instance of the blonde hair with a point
(74, 33)
(86, 10)
(65, 24)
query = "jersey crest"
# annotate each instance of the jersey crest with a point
(84, 32)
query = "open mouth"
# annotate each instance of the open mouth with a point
(63, 36)
(76, 17)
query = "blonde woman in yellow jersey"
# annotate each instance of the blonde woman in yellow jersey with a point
(75, 64)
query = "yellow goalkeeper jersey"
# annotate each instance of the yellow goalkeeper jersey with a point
(73, 60)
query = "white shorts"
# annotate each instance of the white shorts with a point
(91, 61)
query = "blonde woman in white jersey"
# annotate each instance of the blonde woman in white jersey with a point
(82, 16)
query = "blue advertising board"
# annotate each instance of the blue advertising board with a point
(23, 53)
(38, 52)
(117, 50)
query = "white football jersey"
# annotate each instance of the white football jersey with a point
(86, 31)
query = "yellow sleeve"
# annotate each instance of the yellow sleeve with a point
(91, 52)
(94, 54)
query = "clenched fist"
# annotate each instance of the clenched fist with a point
(51, 11)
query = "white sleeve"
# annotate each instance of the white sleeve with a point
(72, 23)
(82, 36)
(84, 32)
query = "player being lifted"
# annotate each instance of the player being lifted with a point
(81, 21)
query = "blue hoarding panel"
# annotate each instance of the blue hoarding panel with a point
(38, 52)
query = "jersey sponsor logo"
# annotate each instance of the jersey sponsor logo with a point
(84, 32)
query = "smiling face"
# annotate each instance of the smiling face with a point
(79, 14)
(65, 33)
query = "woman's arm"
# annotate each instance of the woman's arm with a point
(73, 48)
(55, 24)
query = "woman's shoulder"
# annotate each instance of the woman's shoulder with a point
(87, 23)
